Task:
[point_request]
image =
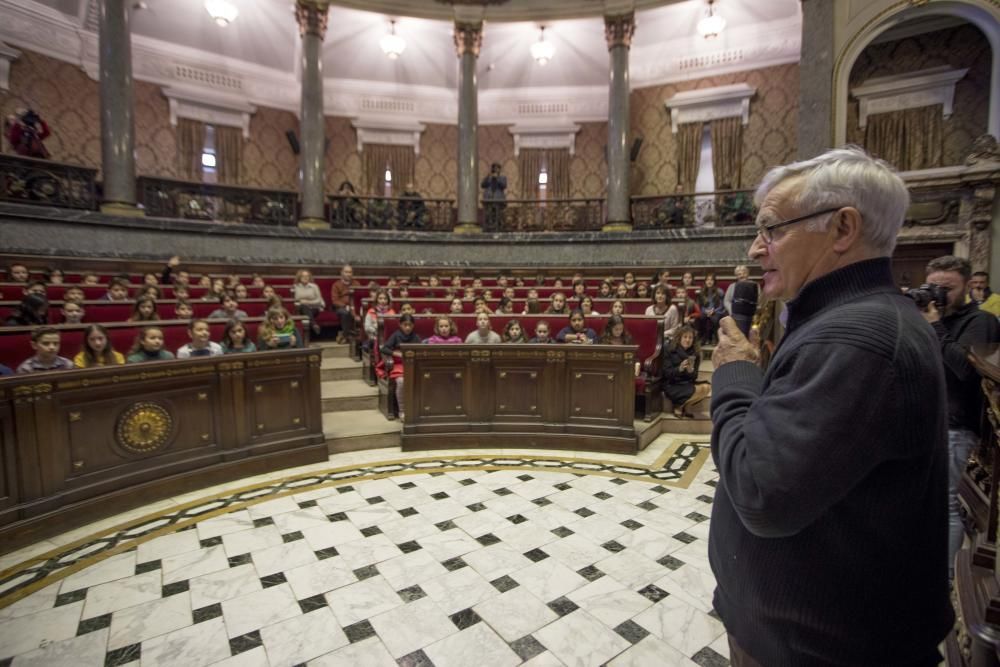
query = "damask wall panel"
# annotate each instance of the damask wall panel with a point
(496, 144)
(769, 139)
(155, 137)
(436, 168)
(268, 160)
(588, 171)
(959, 47)
(343, 161)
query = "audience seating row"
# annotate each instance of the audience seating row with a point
(119, 311)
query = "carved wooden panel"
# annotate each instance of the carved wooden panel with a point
(275, 405)
(443, 394)
(8, 465)
(517, 391)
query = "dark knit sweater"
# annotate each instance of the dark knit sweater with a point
(829, 527)
(957, 333)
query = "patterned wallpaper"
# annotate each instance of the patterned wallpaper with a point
(343, 161)
(496, 144)
(436, 168)
(769, 139)
(268, 160)
(960, 47)
(588, 173)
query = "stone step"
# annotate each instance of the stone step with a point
(331, 350)
(699, 425)
(339, 368)
(348, 395)
(354, 430)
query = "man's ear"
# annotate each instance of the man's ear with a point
(847, 228)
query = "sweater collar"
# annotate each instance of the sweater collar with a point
(869, 276)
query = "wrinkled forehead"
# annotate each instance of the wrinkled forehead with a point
(781, 202)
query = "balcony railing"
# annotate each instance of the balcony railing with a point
(168, 198)
(725, 208)
(395, 213)
(543, 215)
(30, 181)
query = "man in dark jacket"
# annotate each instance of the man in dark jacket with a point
(828, 537)
(958, 328)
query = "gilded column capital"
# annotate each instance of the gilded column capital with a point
(618, 30)
(468, 38)
(312, 15)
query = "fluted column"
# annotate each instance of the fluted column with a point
(618, 32)
(468, 40)
(816, 78)
(117, 110)
(311, 15)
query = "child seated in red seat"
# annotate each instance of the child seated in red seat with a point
(577, 332)
(445, 332)
(149, 347)
(483, 334)
(513, 332)
(278, 331)
(201, 344)
(96, 349)
(234, 338)
(45, 343)
(615, 333)
(541, 333)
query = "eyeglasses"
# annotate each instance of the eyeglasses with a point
(765, 230)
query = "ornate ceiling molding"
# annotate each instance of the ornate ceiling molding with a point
(908, 91)
(704, 104)
(388, 131)
(555, 135)
(213, 109)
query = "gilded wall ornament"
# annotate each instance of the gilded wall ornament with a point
(144, 427)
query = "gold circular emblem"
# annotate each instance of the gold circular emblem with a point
(144, 427)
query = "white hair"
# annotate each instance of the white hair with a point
(848, 177)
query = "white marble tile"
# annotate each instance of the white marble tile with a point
(259, 609)
(548, 579)
(412, 626)
(40, 600)
(525, 536)
(408, 528)
(223, 585)
(411, 568)
(273, 507)
(636, 492)
(476, 645)
(480, 523)
(319, 577)
(632, 569)
(515, 613)
(649, 542)
(84, 651)
(695, 554)
(447, 544)
(254, 539)
(580, 639)
(362, 600)
(299, 519)
(534, 489)
(459, 590)
(591, 484)
(149, 619)
(543, 659)
(693, 585)
(721, 646)
(374, 549)
(496, 560)
(572, 499)
(115, 567)
(333, 534)
(369, 652)
(26, 633)
(550, 516)
(597, 528)
(256, 657)
(575, 551)
(507, 505)
(666, 522)
(609, 601)
(26, 553)
(404, 498)
(438, 484)
(193, 646)
(443, 510)
(371, 515)
(193, 564)
(651, 651)
(615, 509)
(168, 545)
(122, 593)
(302, 638)
(679, 624)
(315, 494)
(377, 487)
(341, 502)
(282, 557)
(225, 524)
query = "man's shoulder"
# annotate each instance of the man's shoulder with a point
(881, 323)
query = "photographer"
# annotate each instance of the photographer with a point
(25, 131)
(959, 326)
(494, 196)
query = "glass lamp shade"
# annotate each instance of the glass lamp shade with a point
(392, 45)
(710, 26)
(542, 51)
(222, 12)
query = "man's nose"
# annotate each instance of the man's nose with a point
(757, 248)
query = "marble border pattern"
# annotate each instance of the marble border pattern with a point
(676, 467)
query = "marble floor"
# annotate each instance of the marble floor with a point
(450, 558)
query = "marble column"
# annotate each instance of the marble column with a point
(468, 40)
(312, 15)
(618, 32)
(117, 110)
(816, 78)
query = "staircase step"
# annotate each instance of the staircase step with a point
(354, 430)
(348, 395)
(340, 368)
(700, 425)
(332, 350)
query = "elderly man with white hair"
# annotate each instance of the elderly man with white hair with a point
(828, 537)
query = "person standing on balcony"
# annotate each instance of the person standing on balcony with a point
(494, 195)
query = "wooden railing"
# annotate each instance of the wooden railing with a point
(31, 181)
(725, 208)
(169, 198)
(396, 213)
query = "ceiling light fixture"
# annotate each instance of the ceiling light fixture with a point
(541, 50)
(392, 44)
(222, 12)
(710, 26)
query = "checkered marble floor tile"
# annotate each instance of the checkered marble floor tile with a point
(465, 567)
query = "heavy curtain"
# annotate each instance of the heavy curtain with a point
(907, 139)
(229, 154)
(556, 164)
(190, 144)
(688, 155)
(727, 152)
(398, 159)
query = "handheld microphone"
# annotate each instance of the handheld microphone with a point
(744, 305)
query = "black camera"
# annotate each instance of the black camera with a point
(30, 117)
(929, 293)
